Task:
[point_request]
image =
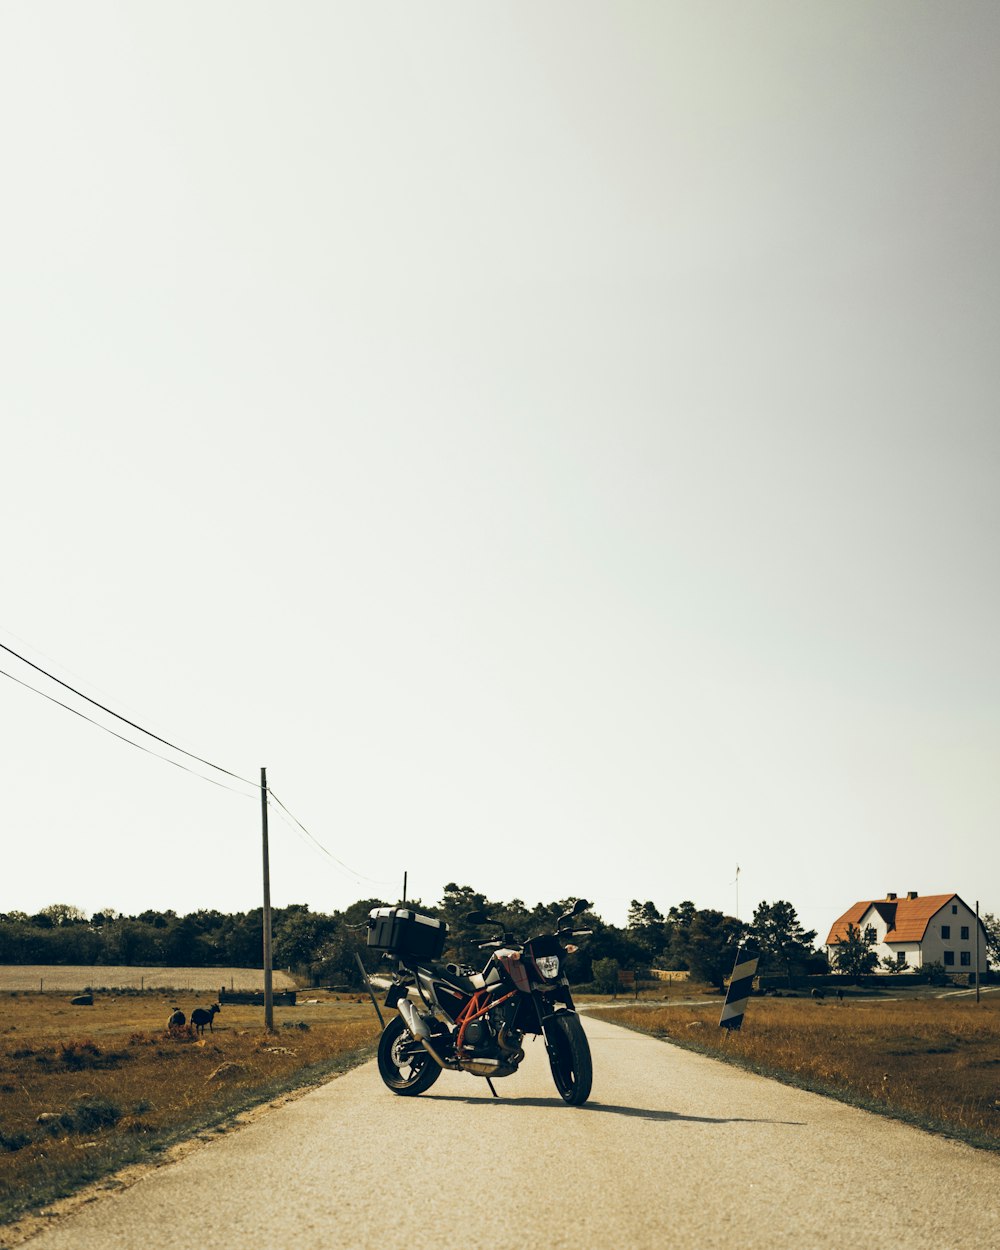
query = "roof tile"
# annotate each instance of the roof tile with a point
(912, 915)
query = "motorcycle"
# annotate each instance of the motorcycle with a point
(450, 1016)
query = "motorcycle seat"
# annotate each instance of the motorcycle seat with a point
(468, 985)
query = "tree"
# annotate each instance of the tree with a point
(463, 939)
(336, 961)
(854, 955)
(646, 926)
(63, 913)
(128, 942)
(676, 928)
(301, 936)
(605, 974)
(607, 941)
(181, 942)
(991, 924)
(782, 942)
(708, 945)
(241, 939)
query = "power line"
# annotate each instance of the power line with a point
(121, 738)
(148, 732)
(55, 663)
(346, 867)
(360, 876)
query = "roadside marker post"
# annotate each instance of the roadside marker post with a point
(740, 986)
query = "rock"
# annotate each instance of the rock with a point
(697, 1024)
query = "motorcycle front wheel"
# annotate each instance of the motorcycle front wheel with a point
(403, 1063)
(569, 1057)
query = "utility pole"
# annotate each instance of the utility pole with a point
(404, 887)
(977, 950)
(268, 995)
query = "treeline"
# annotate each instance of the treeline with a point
(323, 946)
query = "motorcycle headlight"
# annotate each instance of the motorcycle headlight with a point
(548, 966)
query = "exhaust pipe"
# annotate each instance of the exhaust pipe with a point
(417, 1025)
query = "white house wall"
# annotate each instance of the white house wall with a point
(910, 949)
(953, 916)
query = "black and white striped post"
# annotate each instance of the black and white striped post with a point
(740, 985)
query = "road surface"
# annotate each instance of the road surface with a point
(672, 1150)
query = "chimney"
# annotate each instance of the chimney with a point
(890, 898)
(911, 894)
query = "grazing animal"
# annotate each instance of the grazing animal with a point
(177, 1020)
(200, 1017)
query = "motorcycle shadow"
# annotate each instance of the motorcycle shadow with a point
(642, 1113)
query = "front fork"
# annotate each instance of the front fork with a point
(545, 1017)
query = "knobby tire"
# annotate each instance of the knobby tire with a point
(569, 1057)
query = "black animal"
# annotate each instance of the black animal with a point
(177, 1020)
(200, 1017)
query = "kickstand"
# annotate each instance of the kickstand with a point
(492, 1090)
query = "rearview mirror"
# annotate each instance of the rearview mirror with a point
(565, 922)
(476, 917)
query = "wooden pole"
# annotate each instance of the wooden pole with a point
(268, 995)
(404, 887)
(977, 950)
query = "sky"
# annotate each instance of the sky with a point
(559, 442)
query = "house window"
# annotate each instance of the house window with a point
(965, 959)
(949, 959)
(900, 959)
(946, 930)
(954, 909)
(965, 933)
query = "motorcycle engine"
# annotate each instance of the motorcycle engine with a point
(479, 1036)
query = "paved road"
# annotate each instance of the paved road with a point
(673, 1149)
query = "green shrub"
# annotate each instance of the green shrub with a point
(605, 973)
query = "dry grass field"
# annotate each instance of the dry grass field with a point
(86, 1090)
(72, 978)
(930, 1061)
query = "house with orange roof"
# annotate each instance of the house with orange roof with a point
(914, 931)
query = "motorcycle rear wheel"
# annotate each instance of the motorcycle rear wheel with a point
(403, 1063)
(569, 1057)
